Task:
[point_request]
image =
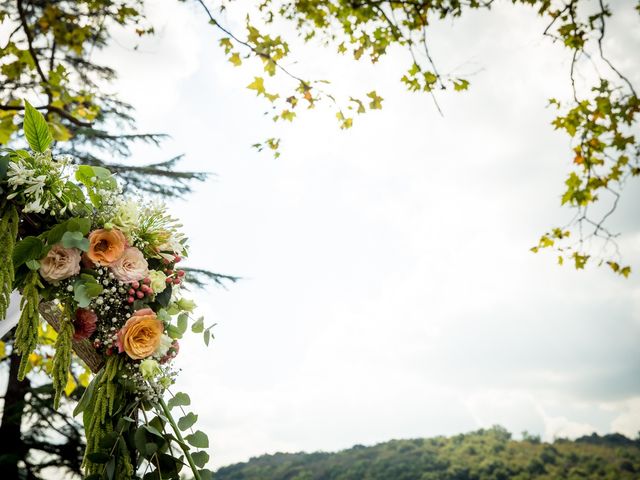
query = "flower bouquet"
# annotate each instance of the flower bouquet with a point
(102, 268)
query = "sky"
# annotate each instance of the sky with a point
(388, 290)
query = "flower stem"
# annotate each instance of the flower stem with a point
(181, 441)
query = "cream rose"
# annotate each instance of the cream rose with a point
(60, 263)
(131, 266)
(158, 281)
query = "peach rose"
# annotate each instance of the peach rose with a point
(130, 266)
(141, 335)
(60, 263)
(106, 246)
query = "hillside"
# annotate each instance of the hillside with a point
(483, 455)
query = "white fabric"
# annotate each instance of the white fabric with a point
(13, 314)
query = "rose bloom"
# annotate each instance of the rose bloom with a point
(106, 246)
(60, 263)
(84, 324)
(131, 266)
(141, 335)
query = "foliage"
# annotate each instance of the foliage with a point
(488, 454)
(47, 57)
(601, 118)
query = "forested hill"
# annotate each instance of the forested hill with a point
(483, 455)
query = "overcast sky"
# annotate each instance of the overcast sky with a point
(388, 289)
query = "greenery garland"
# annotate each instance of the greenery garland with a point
(107, 265)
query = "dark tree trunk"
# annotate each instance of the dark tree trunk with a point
(12, 449)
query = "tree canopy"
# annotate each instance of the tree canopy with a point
(48, 52)
(487, 454)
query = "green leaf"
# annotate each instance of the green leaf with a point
(179, 399)
(86, 288)
(98, 457)
(200, 458)
(198, 439)
(33, 265)
(85, 400)
(29, 248)
(36, 129)
(109, 440)
(4, 165)
(75, 240)
(169, 466)
(82, 225)
(206, 474)
(111, 468)
(376, 100)
(183, 320)
(235, 59)
(186, 422)
(460, 84)
(257, 85)
(84, 174)
(198, 326)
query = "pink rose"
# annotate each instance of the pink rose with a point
(131, 266)
(60, 263)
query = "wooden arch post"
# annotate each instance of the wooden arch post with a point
(83, 348)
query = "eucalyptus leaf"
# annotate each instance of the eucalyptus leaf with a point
(75, 240)
(179, 399)
(200, 458)
(198, 325)
(198, 439)
(186, 422)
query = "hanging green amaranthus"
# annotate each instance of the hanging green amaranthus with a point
(62, 358)
(27, 331)
(8, 233)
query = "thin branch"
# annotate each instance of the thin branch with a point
(214, 22)
(603, 13)
(27, 32)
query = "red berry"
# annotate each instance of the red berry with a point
(176, 281)
(177, 258)
(135, 284)
(130, 300)
(132, 291)
(139, 294)
(145, 288)
(165, 261)
(169, 280)
(181, 273)
(146, 281)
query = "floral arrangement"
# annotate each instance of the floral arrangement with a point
(107, 266)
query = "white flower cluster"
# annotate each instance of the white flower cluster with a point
(39, 180)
